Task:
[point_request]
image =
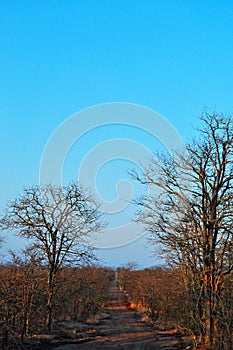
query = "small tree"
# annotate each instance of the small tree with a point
(192, 216)
(57, 220)
(30, 291)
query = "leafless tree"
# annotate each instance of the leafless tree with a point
(57, 221)
(192, 216)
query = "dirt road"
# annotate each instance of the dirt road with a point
(120, 327)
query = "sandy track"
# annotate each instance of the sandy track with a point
(121, 328)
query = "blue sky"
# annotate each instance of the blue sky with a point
(59, 57)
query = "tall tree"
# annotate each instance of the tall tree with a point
(57, 221)
(192, 216)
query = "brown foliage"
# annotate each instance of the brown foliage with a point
(158, 292)
(171, 299)
(79, 294)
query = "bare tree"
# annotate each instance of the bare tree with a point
(192, 216)
(57, 221)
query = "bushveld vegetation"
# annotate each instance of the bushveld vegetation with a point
(169, 298)
(79, 293)
(156, 292)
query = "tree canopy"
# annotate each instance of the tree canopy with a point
(57, 221)
(192, 215)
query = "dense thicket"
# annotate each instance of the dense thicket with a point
(79, 294)
(168, 299)
(158, 292)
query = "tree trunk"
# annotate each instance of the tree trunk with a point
(25, 330)
(209, 303)
(49, 308)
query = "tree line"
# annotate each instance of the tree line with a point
(79, 293)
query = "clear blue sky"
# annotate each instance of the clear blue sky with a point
(58, 57)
